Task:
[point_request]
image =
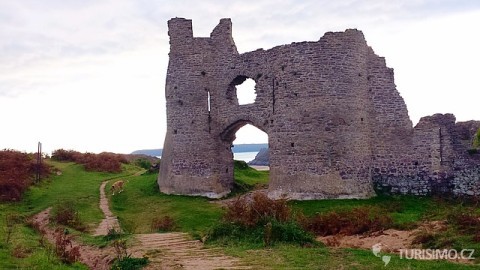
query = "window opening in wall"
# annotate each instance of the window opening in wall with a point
(246, 92)
(208, 102)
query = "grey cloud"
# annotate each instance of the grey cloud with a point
(68, 29)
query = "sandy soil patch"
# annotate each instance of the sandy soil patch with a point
(260, 168)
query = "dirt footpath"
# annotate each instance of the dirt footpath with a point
(174, 250)
(177, 251)
(93, 257)
(110, 221)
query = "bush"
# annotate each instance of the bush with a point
(103, 162)
(64, 247)
(129, 263)
(240, 165)
(16, 174)
(290, 232)
(11, 221)
(355, 221)
(163, 224)
(143, 163)
(476, 140)
(123, 260)
(465, 222)
(112, 234)
(259, 220)
(259, 209)
(21, 252)
(472, 151)
(426, 239)
(66, 155)
(66, 214)
(430, 240)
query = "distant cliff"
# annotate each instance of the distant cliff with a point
(238, 148)
(261, 159)
(148, 152)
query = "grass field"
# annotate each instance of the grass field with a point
(141, 202)
(74, 186)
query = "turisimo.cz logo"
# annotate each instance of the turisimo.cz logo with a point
(376, 251)
(437, 254)
(425, 254)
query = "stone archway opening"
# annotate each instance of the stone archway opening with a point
(250, 157)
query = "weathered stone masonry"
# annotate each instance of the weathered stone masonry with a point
(337, 126)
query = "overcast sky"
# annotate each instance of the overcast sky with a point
(89, 75)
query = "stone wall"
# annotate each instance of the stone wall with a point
(337, 126)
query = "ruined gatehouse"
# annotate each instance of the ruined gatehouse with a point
(336, 124)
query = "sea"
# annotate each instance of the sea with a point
(245, 156)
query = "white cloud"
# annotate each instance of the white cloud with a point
(90, 75)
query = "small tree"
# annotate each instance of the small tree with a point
(143, 163)
(476, 139)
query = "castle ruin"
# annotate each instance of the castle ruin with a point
(336, 124)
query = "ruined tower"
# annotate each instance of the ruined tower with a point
(337, 126)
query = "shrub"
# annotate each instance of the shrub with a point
(66, 155)
(129, 263)
(424, 238)
(466, 222)
(66, 214)
(112, 234)
(123, 260)
(429, 240)
(259, 209)
(476, 237)
(64, 247)
(20, 251)
(11, 220)
(240, 165)
(259, 220)
(355, 221)
(16, 174)
(103, 162)
(290, 232)
(476, 139)
(143, 163)
(120, 247)
(226, 231)
(472, 151)
(163, 224)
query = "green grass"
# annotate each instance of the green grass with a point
(75, 186)
(141, 201)
(248, 179)
(247, 175)
(405, 210)
(288, 256)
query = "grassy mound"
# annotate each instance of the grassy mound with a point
(247, 178)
